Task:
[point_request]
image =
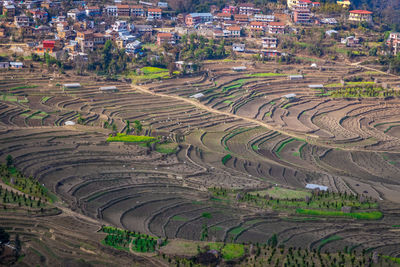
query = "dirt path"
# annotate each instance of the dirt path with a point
(215, 111)
(257, 122)
(373, 69)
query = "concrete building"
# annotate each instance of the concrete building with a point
(301, 12)
(196, 18)
(360, 16)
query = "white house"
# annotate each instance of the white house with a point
(238, 47)
(112, 11)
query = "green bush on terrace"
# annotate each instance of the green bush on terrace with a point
(226, 158)
(372, 215)
(121, 137)
(23, 87)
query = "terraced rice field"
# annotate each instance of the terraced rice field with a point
(343, 144)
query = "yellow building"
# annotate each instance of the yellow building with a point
(360, 15)
(292, 3)
(344, 3)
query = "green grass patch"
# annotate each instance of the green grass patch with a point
(310, 59)
(372, 215)
(167, 148)
(148, 70)
(23, 87)
(179, 218)
(394, 259)
(236, 231)
(282, 146)
(287, 105)
(45, 99)
(232, 251)
(228, 101)
(226, 158)
(283, 193)
(121, 137)
(206, 215)
(216, 228)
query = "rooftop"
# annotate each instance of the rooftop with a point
(363, 12)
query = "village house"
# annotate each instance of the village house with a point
(394, 42)
(76, 14)
(248, 9)
(47, 46)
(292, 3)
(162, 4)
(270, 53)
(229, 10)
(133, 47)
(276, 27)
(302, 12)
(123, 10)
(137, 11)
(234, 31)
(222, 16)
(22, 21)
(263, 18)
(4, 65)
(269, 42)
(350, 41)
(196, 18)
(238, 47)
(165, 38)
(39, 14)
(16, 65)
(141, 29)
(27, 31)
(344, 3)
(257, 26)
(154, 13)
(360, 16)
(241, 18)
(111, 11)
(92, 11)
(9, 11)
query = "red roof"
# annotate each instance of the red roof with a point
(256, 23)
(154, 10)
(365, 12)
(228, 15)
(275, 23)
(306, 1)
(164, 35)
(234, 28)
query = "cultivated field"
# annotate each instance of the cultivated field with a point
(241, 135)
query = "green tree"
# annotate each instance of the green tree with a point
(128, 123)
(138, 126)
(273, 241)
(9, 161)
